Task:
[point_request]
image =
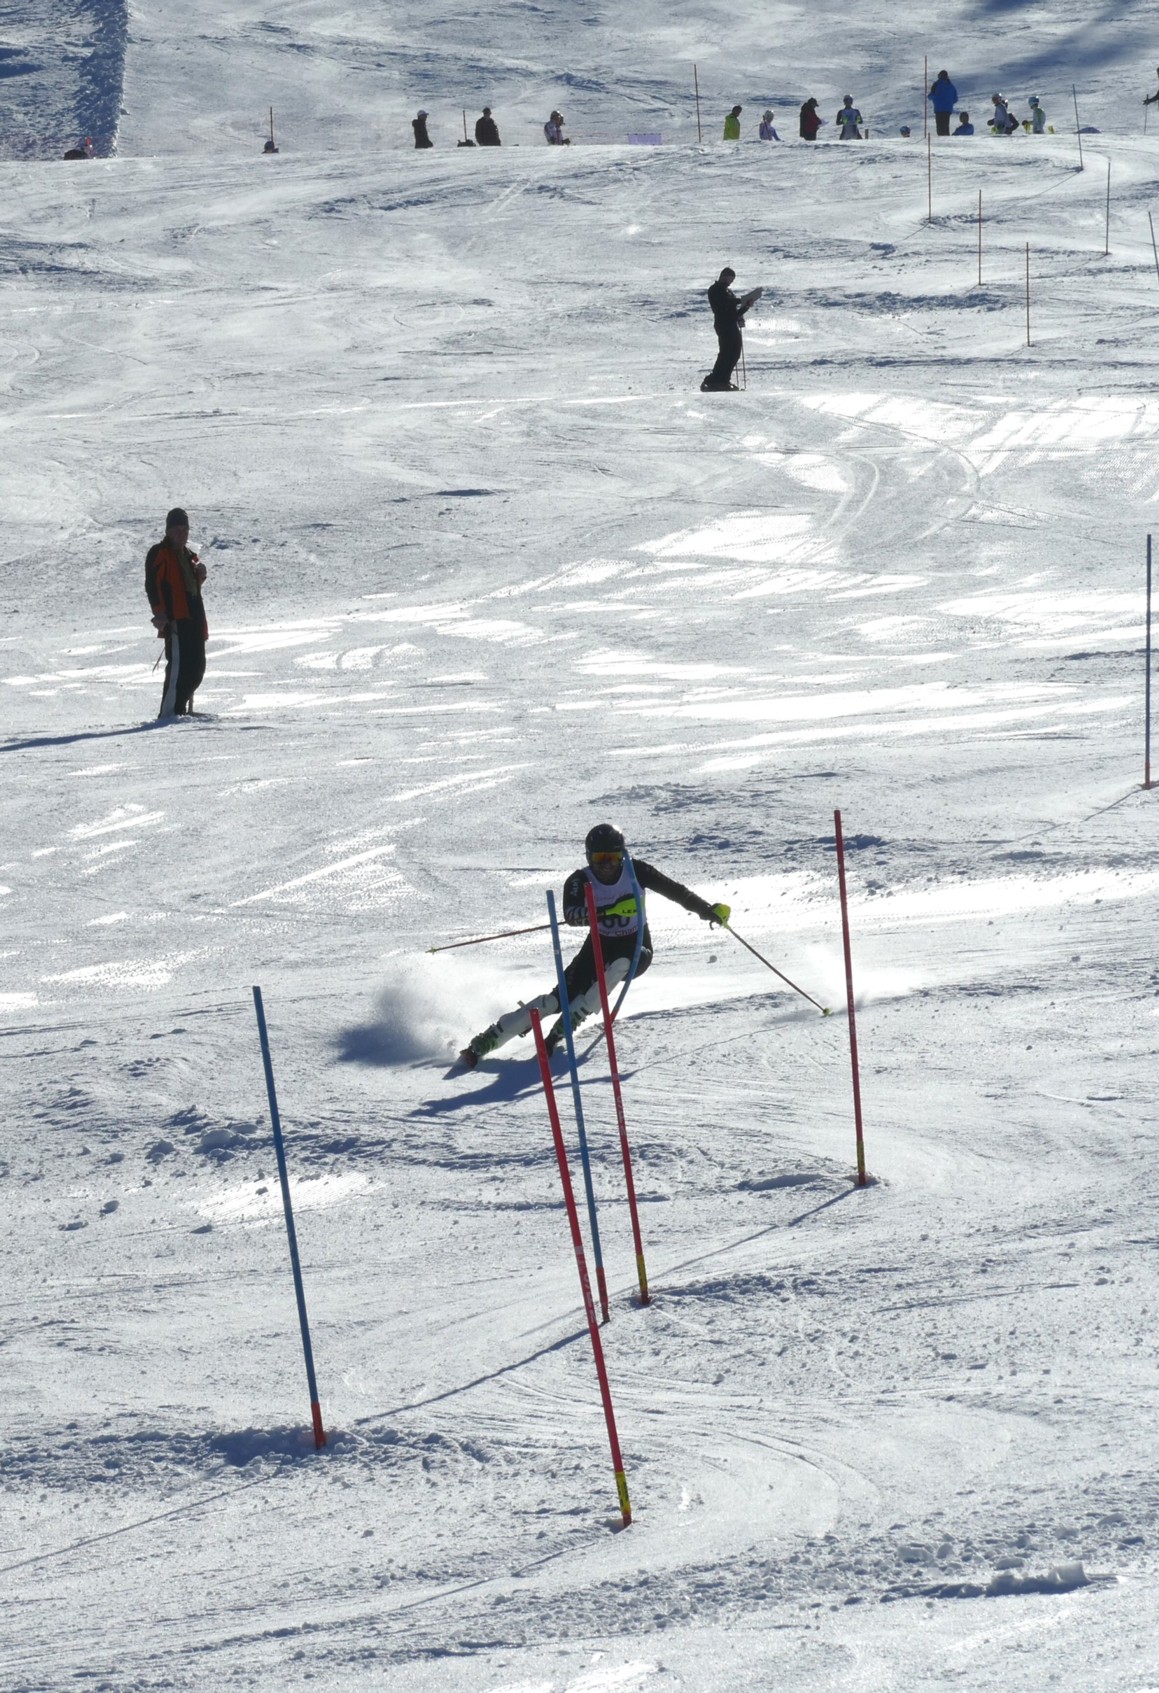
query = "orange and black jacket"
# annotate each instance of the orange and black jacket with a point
(172, 586)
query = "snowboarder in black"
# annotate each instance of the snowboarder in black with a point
(609, 870)
(728, 321)
(486, 130)
(419, 125)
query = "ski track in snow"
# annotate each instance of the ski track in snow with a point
(484, 568)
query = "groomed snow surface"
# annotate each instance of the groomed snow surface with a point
(485, 568)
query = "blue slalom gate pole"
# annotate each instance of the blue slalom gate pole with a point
(284, 1178)
(565, 1013)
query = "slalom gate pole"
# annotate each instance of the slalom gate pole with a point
(295, 1261)
(569, 1037)
(979, 238)
(1028, 293)
(696, 86)
(637, 1238)
(929, 179)
(925, 91)
(503, 935)
(1147, 783)
(1154, 248)
(861, 1176)
(465, 135)
(1107, 245)
(823, 1009)
(581, 1265)
(639, 947)
(1077, 126)
(271, 126)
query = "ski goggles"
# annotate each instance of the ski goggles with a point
(606, 860)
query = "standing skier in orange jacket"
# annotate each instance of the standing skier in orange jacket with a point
(173, 580)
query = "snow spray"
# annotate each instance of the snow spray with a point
(565, 1013)
(597, 948)
(283, 1177)
(581, 1266)
(862, 1179)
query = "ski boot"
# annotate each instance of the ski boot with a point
(479, 1047)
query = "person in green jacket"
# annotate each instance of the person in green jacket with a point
(732, 124)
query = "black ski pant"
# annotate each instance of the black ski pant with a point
(184, 666)
(942, 122)
(580, 975)
(727, 358)
(580, 980)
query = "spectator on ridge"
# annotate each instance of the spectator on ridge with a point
(965, 127)
(732, 124)
(419, 125)
(486, 130)
(811, 121)
(944, 97)
(1003, 121)
(767, 132)
(1036, 123)
(849, 118)
(553, 129)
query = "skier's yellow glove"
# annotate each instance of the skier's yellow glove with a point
(720, 914)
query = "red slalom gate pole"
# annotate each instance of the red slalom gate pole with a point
(861, 1176)
(581, 1265)
(637, 1238)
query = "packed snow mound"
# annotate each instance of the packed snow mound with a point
(62, 68)
(340, 80)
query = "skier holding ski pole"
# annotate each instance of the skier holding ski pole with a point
(625, 942)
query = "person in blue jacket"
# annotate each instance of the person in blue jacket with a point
(965, 127)
(944, 97)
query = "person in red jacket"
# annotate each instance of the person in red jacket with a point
(173, 581)
(810, 120)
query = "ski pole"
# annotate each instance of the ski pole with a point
(504, 935)
(601, 978)
(823, 1009)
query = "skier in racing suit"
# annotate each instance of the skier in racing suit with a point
(609, 870)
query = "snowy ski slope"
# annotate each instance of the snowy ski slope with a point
(484, 568)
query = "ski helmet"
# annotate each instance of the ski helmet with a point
(605, 837)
